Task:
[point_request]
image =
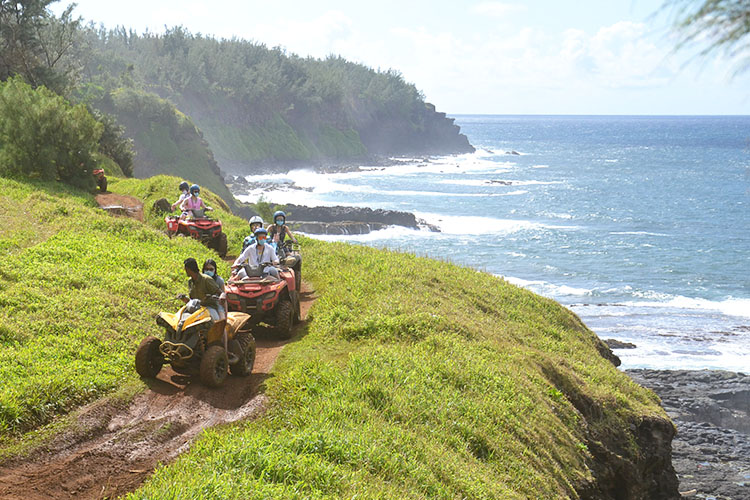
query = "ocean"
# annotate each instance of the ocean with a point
(638, 224)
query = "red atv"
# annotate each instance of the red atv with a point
(200, 227)
(266, 299)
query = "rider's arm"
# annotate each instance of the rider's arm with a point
(242, 258)
(289, 232)
(273, 256)
(183, 205)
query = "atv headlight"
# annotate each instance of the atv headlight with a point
(268, 295)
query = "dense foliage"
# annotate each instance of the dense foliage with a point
(38, 45)
(42, 136)
(256, 103)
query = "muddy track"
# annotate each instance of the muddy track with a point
(113, 449)
(120, 204)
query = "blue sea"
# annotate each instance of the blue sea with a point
(638, 224)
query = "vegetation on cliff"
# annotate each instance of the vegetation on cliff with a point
(187, 104)
(258, 104)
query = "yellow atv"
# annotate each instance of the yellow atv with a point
(196, 344)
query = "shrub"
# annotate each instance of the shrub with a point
(43, 136)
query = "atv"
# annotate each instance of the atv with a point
(101, 180)
(194, 344)
(290, 254)
(266, 299)
(200, 227)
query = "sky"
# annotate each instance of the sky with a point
(476, 56)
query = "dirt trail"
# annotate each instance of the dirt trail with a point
(120, 204)
(113, 450)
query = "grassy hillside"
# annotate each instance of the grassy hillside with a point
(414, 378)
(417, 378)
(78, 288)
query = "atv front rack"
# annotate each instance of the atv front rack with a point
(174, 352)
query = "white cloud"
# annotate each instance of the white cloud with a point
(497, 9)
(317, 37)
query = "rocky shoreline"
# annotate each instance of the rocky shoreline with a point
(711, 410)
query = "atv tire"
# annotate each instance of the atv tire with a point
(244, 367)
(284, 319)
(221, 245)
(148, 359)
(214, 366)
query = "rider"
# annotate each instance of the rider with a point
(184, 193)
(203, 288)
(255, 223)
(193, 202)
(257, 254)
(209, 269)
(278, 230)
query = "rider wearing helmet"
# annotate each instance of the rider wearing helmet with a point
(278, 230)
(193, 202)
(257, 254)
(184, 193)
(255, 223)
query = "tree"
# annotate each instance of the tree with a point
(34, 43)
(722, 25)
(42, 136)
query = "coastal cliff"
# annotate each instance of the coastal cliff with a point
(412, 377)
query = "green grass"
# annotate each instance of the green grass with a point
(78, 290)
(415, 379)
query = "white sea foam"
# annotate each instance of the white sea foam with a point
(548, 289)
(646, 233)
(729, 306)
(540, 166)
(495, 182)
(474, 225)
(390, 233)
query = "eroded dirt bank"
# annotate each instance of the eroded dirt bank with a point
(114, 449)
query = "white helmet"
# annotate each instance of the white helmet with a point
(256, 219)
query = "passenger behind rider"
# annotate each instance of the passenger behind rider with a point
(278, 231)
(184, 194)
(193, 202)
(209, 269)
(203, 288)
(255, 255)
(255, 223)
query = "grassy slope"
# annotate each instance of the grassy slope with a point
(78, 289)
(414, 378)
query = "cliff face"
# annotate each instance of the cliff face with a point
(437, 134)
(244, 142)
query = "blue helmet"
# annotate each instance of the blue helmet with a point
(260, 230)
(277, 214)
(195, 188)
(184, 186)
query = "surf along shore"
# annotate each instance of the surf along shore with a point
(709, 407)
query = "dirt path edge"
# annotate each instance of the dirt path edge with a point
(114, 447)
